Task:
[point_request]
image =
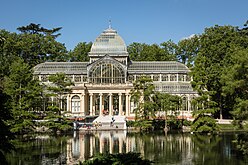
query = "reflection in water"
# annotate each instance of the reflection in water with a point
(83, 145)
(162, 148)
(171, 148)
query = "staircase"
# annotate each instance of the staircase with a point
(110, 122)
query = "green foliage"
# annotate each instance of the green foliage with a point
(28, 149)
(217, 44)
(36, 29)
(129, 158)
(80, 52)
(24, 96)
(235, 82)
(174, 124)
(204, 145)
(32, 47)
(141, 94)
(166, 102)
(60, 86)
(204, 124)
(187, 50)
(204, 120)
(5, 135)
(242, 143)
(154, 52)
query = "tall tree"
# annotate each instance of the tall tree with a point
(135, 51)
(216, 45)
(187, 50)
(235, 80)
(154, 52)
(80, 52)
(142, 94)
(33, 28)
(169, 50)
(59, 87)
(166, 102)
(37, 44)
(5, 135)
(24, 92)
(33, 48)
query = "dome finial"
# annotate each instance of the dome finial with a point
(110, 24)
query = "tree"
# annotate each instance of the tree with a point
(33, 28)
(142, 94)
(129, 158)
(187, 50)
(154, 52)
(33, 48)
(135, 50)
(169, 50)
(216, 45)
(80, 52)
(206, 108)
(24, 96)
(235, 80)
(166, 102)
(60, 85)
(204, 121)
(37, 44)
(5, 135)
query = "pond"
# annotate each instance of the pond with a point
(163, 148)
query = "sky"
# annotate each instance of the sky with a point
(143, 21)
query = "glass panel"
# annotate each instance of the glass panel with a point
(156, 77)
(173, 77)
(106, 72)
(77, 78)
(165, 77)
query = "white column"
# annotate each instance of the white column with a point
(91, 145)
(94, 106)
(127, 106)
(68, 103)
(82, 104)
(101, 145)
(110, 104)
(129, 103)
(91, 102)
(110, 144)
(120, 104)
(100, 104)
(120, 145)
(189, 103)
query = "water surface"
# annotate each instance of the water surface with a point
(163, 148)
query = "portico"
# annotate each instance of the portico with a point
(107, 103)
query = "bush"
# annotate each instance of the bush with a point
(129, 158)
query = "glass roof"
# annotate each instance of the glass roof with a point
(157, 67)
(174, 87)
(109, 42)
(57, 67)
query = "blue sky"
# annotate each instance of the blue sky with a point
(145, 21)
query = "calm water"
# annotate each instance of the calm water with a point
(170, 148)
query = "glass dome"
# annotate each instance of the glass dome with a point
(109, 42)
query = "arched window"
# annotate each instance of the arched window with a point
(107, 72)
(75, 103)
